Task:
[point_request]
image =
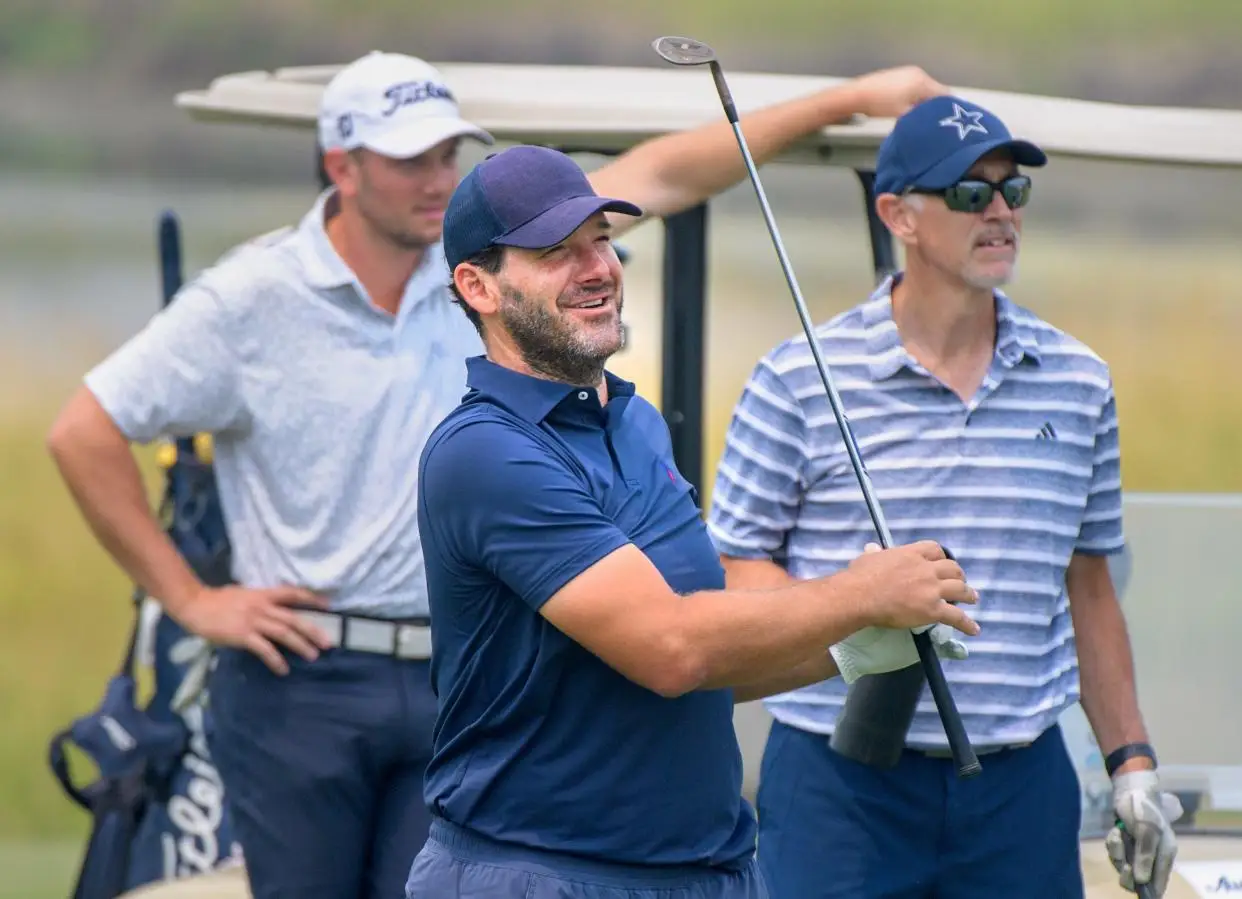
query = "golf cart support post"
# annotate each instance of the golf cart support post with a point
(607, 110)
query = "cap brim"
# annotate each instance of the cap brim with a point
(950, 170)
(554, 225)
(419, 136)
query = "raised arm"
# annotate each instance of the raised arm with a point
(671, 173)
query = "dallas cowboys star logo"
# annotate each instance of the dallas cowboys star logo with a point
(959, 121)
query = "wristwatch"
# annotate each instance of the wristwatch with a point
(1123, 754)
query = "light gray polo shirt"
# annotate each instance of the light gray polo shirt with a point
(319, 403)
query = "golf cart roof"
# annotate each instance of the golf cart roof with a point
(609, 109)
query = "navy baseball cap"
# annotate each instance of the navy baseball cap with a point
(525, 196)
(936, 142)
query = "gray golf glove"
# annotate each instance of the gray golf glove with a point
(1147, 816)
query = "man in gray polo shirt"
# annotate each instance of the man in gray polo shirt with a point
(321, 359)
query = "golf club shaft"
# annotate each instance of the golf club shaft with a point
(1143, 890)
(169, 248)
(959, 744)
(172, 276)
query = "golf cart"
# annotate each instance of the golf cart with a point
(604, 110)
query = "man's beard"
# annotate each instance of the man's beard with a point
(552, 347)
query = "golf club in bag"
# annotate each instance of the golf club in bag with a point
(881, 716)
(157, 807)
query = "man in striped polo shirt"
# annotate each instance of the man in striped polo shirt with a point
(994, 433)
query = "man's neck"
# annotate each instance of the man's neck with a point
(949, 328)
(383, 268)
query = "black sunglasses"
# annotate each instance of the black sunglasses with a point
(975, 194)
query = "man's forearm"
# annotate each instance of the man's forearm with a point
(820, 667)
(755, 574)
(1106, 670)
(744, 637)
(691, 166)
(103, 478)
(1106, 663)
(764, 574)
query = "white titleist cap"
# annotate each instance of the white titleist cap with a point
(396, 105)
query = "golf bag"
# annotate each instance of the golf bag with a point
(157, 805)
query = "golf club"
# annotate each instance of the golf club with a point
(1143, 890)
(684, 51)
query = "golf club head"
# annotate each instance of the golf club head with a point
(683, 51)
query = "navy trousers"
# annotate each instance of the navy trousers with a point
(323, 770)
(459, 864)
(831, 827)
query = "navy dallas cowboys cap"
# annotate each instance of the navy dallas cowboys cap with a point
(936, 142)
(524, 196)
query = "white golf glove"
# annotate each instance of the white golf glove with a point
(877, 650)
(1147, 816)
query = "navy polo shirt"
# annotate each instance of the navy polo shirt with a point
(524, 486)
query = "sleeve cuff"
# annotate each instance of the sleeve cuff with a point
(550, 585)
(108, 394)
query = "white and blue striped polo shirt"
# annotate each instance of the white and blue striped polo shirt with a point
(319, 402)
(1013, 483)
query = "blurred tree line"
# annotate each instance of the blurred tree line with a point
(88, 84)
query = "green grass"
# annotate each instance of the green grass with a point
(38, 870)
(66, 619)
(1166, 318)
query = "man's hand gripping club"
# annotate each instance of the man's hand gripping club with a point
(906, 594)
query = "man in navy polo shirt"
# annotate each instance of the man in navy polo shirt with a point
(585, 655)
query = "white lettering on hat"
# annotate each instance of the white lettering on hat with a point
(958, 121)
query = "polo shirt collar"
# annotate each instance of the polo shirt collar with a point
(1015, 337)
(325, 269)
(323, 266)
(529, 397)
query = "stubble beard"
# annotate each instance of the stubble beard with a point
(552, 348)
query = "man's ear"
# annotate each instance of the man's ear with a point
(898, 215)
(341, 170)
(477, 287)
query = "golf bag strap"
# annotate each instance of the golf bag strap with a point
(58, 761)
(116, 809)
(57, 758)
